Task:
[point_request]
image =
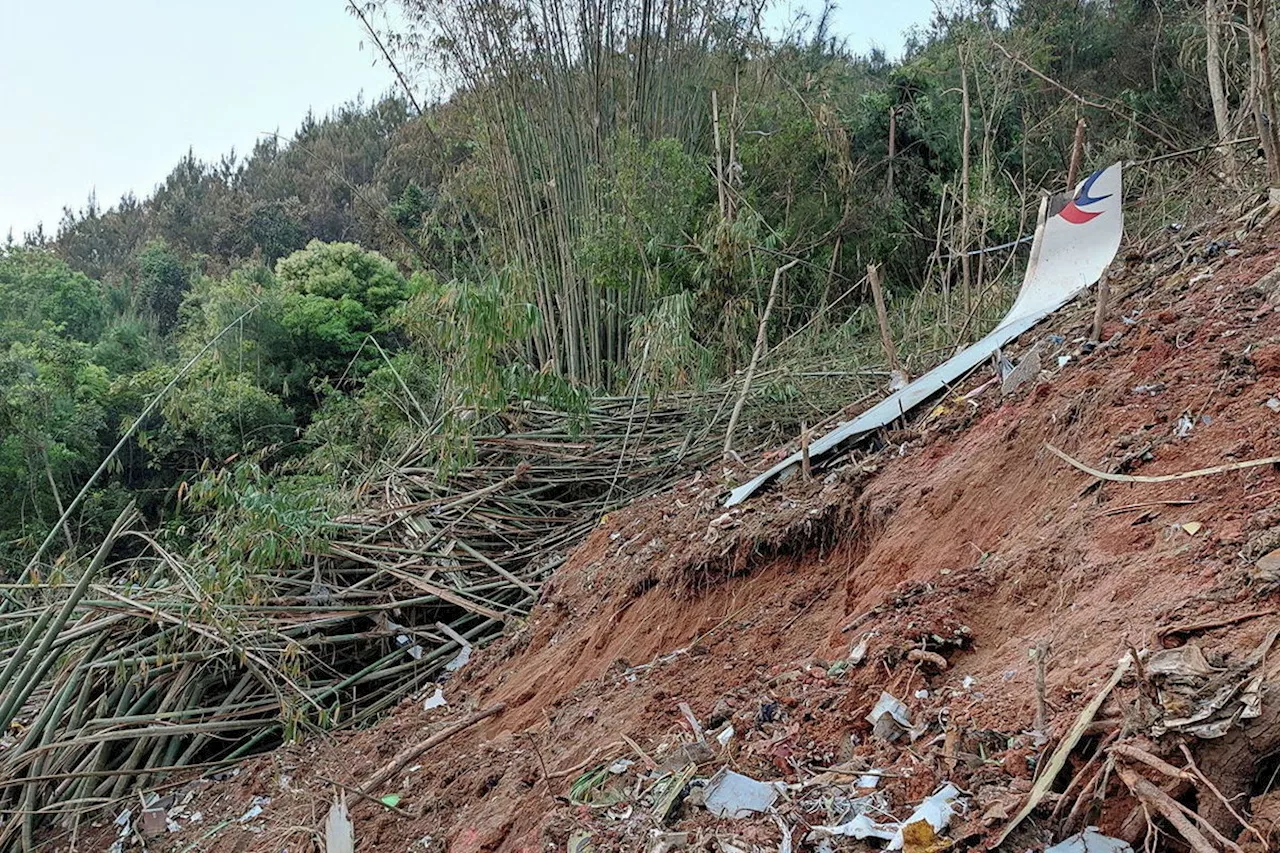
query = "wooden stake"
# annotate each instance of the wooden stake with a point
(1042, 702)
(1077, 153)
(1100, 313)
(882, 318)
(964, 184)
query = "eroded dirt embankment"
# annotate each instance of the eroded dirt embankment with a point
(963, 538)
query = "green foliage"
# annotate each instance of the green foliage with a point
(39, 292)
(242, 520)
(52, 415)
(336, 295)
(163, 282)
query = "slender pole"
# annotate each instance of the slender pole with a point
(964, 181)
(715, 126)
(882, 318)
(355, 9)
(1077, 154)
(893, 146)
(1104, 294)
(1217, 91)
(761, 334)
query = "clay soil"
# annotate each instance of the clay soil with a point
(940, 559)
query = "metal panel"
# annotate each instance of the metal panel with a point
(1071, 250)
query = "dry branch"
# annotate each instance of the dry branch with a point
(1162, 478)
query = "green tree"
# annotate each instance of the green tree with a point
(39, 291)
(335, 296)
(163, 282)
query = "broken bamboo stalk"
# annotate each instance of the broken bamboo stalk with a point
(806, 466)
(762, 334)
(1195, 771)
(1042, 702)
(1100, 312)
(402, 759)
(1077, 154)
(1162, 478)
(1133, 753)
(1059, 757)
(1168, 808)
(882, 319)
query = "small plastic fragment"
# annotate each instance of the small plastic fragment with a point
(730, 794)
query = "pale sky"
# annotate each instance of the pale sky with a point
(106, 97)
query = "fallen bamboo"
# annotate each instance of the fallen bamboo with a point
(402, 759)
(1133, 753)
(1162, 478)
(882, 320)
(207, 676)
(762, 334)
(1059, 757)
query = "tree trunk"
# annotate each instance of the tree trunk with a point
(1217, 90)
(1262, 80)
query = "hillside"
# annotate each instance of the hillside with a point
(928, 569)
(389, 462)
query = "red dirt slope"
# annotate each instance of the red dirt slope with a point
(953, 550)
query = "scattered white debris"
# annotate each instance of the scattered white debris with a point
(1090, 841)
(870, 780)
(404, 641)
(936, 810)
(1185, 425)
(858, 653)
(339, 833)
(463, 656)
(784, 845)
(730, 794)
(435, 700)
(887, 704)
(460, 661)
(255, 809)
(861, 827)
(725, 736)
(620, 766)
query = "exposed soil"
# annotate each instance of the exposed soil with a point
(953, 550)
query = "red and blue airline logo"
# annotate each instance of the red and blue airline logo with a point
(1075, 212)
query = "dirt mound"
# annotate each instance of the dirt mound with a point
(928, 568)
